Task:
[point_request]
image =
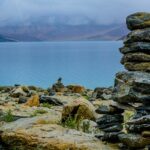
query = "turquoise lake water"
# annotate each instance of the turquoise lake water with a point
(91, 64)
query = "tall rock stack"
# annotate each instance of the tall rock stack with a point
(132, 87)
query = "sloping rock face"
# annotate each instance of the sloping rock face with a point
(132, 87)
(32, 134)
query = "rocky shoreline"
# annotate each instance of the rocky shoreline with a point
(75, 118)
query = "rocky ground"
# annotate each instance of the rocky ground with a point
(75, 118)
(60, 118)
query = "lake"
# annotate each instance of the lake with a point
(91, 64)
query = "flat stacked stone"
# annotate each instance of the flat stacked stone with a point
(110, 123)
(132, 87)
(136, 48)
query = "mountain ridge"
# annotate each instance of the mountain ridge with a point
(47, 32)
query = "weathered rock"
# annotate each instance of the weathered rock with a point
(22, 99)
(88, 126)
(109, 110)
(142, 35)
(131, 87)
(50, 100)
(139, 121)
(6, 88)
(133, 128)
(146, 134)
(140, 113)
(134, 140)
(80, 108)
(27, 134)
(58, 86)
(103, 93)
(138, 20)
(136, 66)
(136, 47)
(138, 125)
(17, 92)
(136, 57)
(75, 88)
(109, 120)
(110, 137)
(33, 101)
(114, 128)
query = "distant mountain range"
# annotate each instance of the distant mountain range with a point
(47, 32)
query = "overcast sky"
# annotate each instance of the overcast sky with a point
(69, 11)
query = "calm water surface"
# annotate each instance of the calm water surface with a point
(91, 64)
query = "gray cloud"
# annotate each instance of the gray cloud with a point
(69, 11)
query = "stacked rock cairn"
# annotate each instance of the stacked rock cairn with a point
(132, 88)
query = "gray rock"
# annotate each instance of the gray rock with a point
(23, 99)
(103, 93)
(114, 128)
(131, 87)
(109, 110)
(138, 20)
(136, 66)
(133, 128)
(137, 57)
(109, 137)
(109, 119)
(136, 47)
(50, 100)
(139, 121)
(142, 35)
(134, 140)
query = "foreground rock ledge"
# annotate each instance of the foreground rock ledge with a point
(33, 136)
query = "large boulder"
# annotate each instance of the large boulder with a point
(138, 21)
(142, 35)
(80, 108)
(131, 87)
